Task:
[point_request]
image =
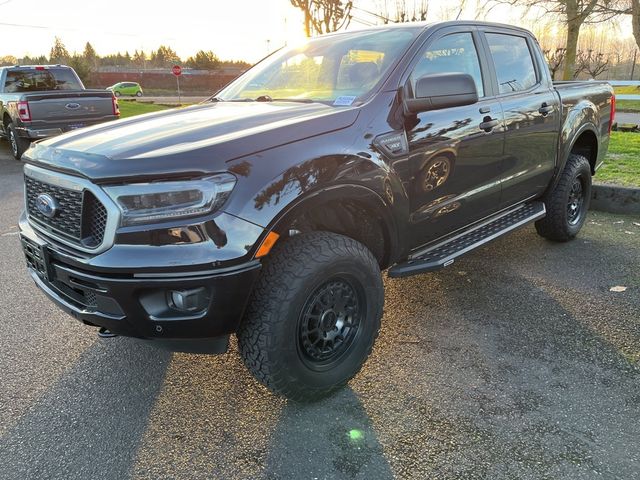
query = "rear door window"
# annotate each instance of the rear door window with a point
(513, 62)
(32, 80)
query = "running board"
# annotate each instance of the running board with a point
(444, 253)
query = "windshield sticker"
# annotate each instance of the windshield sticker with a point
(344, 100)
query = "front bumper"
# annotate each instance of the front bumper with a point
(138, 303)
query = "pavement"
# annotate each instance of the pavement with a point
(627, 117)
(516, 362)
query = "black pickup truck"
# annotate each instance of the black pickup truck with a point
(270, 210)
(40, 101)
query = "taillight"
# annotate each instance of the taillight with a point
(612, 114)
(23, 111)
(116, 108)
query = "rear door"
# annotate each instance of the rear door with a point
(455, 161)
(531, 113)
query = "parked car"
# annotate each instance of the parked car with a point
(42, 101)
(132, 89)
(271, 210)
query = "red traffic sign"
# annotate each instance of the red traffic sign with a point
(177, 70)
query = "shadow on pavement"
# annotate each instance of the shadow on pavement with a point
(88, 425)
(334, 438)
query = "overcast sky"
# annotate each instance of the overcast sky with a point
(233, 29)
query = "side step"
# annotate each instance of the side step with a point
(444, 253)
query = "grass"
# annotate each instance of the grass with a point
(627, 90)
(130, 109)
(627, 105)
(622, 164)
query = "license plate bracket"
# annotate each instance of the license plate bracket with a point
(37, 256)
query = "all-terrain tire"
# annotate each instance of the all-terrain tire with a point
(326, 273)
(18, 144)
(568, 202)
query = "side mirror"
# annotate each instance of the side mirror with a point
(442, 90)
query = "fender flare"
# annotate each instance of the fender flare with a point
(358, 193)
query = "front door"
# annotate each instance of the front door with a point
(455, 154)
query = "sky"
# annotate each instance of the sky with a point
(234, 30)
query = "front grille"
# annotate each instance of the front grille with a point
(94, 221)
(81, 219)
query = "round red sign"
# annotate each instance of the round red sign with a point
(177, 70)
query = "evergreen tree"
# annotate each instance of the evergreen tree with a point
(204, 61)
(59, 53)
(90, 55)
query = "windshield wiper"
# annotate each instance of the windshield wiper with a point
(298, 100)
(262, 98)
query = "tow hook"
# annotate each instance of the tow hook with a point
(105, 333)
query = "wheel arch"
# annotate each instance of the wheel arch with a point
(586, 144)
(348, 209)
(584, 141)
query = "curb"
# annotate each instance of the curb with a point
(615, 199)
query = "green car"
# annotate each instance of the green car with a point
(126, 88)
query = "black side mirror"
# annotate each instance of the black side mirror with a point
(442, 90)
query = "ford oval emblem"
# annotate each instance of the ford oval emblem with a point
(47, 205)
(72, 106)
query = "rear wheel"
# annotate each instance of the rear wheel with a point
(18, 144)
(313, 316)
(568, 202)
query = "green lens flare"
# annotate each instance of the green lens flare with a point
(356, 434)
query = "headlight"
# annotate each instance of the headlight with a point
(156, 202)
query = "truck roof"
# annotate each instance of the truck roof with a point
(36, 66)
(426, 25)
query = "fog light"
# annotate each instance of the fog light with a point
(192, 300)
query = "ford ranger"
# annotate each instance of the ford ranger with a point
(270, 210)
(41, 101)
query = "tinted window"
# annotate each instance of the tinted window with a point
(455, 53)
(32, 80)
(338, 69)
(513, 62)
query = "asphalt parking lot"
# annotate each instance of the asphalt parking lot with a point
(516, 362)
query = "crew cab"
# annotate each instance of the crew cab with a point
(40, 101)
(270, 210)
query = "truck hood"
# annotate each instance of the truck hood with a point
(193, 140)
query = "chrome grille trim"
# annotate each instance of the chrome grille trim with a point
(77, 184)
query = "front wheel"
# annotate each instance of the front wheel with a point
(568, 202)
(138, 93)
(313, 316)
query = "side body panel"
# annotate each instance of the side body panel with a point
(532, 123)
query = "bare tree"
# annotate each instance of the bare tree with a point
(635, 20)
(574, 14)
(555, 59)
(590, 62)
(401, 11)
(324, 16)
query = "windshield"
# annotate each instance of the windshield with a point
(336, 69)
(32, 80)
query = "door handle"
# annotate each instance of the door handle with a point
(545, 109)
(488, 123)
